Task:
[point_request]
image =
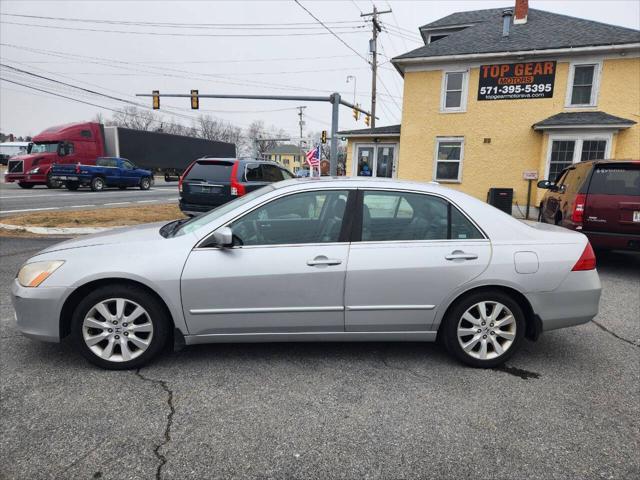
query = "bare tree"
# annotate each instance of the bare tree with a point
(135, 118)
(259, 139)
(215, 129)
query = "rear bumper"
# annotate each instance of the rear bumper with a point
(38, 311)
(613, 241)
(574, 302)
(198, 209)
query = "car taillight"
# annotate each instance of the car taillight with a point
(78, 168)
(587, 260)
(578, 208)
(237, 189)
(183, 176)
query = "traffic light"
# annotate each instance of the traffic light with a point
(195, 100)
(323, 137)
(367, 120)
(356, 114)
(156, 99)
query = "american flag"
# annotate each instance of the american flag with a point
(313, 156)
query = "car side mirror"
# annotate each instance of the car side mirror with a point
(223, 237)
(546, 184)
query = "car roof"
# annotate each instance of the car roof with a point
(364, 182)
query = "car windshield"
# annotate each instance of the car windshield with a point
(43, 147)
(201, 220)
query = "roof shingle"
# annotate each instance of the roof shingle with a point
(543, 31)
(577, 119)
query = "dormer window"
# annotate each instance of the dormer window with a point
(436, 37)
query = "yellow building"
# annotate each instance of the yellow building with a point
(494, 96)
(289, 156)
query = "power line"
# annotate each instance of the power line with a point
(331, 31)
(58, 95)
(175, 34)
(269, 25)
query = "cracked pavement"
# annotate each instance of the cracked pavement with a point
(565, 407)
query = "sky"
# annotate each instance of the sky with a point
(228, 47)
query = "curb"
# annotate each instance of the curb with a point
(57, 230)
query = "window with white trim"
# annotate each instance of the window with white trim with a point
(448, 162)
(565, 150)
(454, 92)
(583, 85)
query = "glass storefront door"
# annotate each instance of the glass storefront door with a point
(375, 160)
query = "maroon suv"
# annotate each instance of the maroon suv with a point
(600, 198)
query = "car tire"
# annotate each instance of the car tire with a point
(25, 185)
(167, 178)
(53, 183)
(145, 183)
(113, 343)
(73, 186)
(97, 184)
(467, 333)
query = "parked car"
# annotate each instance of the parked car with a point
(599, 198)
(367, 260)
(210, 182)
(107, 172)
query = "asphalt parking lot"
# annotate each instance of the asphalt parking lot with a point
(15, 200)
(565, 407)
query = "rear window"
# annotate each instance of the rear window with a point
(210, 171)
(616, 180)
(107, 162)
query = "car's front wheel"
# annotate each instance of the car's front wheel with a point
(145, 183)
(484, 329)
(119, 327)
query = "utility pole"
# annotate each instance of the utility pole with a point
(301, 122)
(373, 48)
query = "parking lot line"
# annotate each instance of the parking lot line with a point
(117, 203)
(146, 201)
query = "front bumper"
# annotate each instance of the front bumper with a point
(25, 178)
(38, 311)
(574, 302)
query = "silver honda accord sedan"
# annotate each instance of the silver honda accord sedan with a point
(335, 259)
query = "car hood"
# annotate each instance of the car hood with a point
(138, 233)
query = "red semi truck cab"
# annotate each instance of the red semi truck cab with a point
(72, 143)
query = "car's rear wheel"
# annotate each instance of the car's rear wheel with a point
(97, 184)
(53, 183)
(484, 329)
(145, 183)
(25, 185)
(73, 186)
(119, 327)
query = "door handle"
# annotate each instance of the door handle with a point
(460, 255)
(321, 260)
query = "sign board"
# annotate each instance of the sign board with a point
(530, 175)
(516, 81)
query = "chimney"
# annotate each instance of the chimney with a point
(522, 10)
(506, 22)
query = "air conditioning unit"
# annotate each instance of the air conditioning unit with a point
(501, 198)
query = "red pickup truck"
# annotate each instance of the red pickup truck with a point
(600, 198)
(73, 143)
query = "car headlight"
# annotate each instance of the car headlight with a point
(34, 170)
(33, 274)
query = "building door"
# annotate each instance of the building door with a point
(384, 161)
(375, 160)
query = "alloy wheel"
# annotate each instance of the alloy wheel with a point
(486, 330)
(117, 329)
